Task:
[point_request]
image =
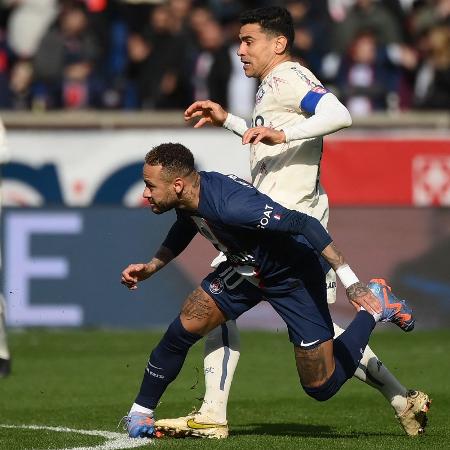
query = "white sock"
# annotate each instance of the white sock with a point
(374, 373)
(141, 409)
(4, 351)
(222, 347)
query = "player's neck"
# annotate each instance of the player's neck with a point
(274, 63)
(191, 193)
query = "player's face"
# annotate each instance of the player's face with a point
(257, 50)
(159, 192)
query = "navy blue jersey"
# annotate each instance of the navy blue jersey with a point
(250, 228)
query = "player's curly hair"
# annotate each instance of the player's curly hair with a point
(272, 19)
(176, 159)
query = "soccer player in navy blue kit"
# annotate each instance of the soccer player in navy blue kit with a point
(273, 254)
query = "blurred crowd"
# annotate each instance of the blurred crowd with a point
(374, 55)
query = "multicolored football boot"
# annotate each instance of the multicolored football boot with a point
(139, 425)
(393, 309)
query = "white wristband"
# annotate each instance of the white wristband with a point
(346, 275)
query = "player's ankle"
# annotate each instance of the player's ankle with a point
(399, 403)
(210, 417)
(141, 409)
(376, 316)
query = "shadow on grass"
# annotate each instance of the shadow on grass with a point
(298, 429)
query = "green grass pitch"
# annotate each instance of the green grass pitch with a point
(86, 380)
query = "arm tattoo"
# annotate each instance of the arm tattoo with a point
(197, 306)
(357, 290)
(333, 256)
(162, 257)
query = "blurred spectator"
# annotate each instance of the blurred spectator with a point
(366, 15)
(212, 65)
(427, 14)
(311, 38)
(338, 9)
(156, 65)
(400, 10)
(28, 23)
(224, 10)
(135, 14)
(179, 13)
(64, 63)
(366, 77)
(375, 77)
(432, 88)
(20, 84)
(109, 54)
(198, 18)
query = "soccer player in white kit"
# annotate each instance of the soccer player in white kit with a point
(292, 113)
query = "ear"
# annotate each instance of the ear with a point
(178, 185)
(280, 45)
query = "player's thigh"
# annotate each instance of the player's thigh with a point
(233, 293)
(305, 312)
(314, 365)
(200, 313)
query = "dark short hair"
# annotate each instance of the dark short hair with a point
(272, 19)
(176, 159)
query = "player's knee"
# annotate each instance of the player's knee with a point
(324, 391)
(177, 339)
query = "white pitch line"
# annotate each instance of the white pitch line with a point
(114, 441)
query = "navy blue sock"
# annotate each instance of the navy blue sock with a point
(165, 363)
(348, 350)
(349, 346)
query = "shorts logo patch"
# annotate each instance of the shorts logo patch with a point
(216, 286)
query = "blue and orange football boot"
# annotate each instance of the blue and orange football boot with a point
(140, 425)
(393, 309)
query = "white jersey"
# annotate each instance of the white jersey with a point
(289, 172)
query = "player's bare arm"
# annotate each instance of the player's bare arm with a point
(208, 112)
(358, 294)
(333, 256)
(135, 273)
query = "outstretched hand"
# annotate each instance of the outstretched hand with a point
(267, 135)
(360, 295)
(208, 111)
(133, 274)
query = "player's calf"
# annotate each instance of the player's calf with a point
(340, 360)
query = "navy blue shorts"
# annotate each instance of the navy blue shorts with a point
(301, 302)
